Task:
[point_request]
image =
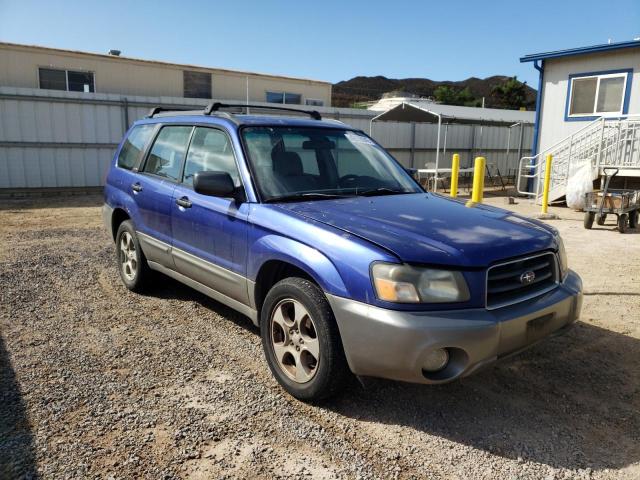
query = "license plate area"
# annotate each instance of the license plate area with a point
(540, 327)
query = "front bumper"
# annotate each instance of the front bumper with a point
(394, 344)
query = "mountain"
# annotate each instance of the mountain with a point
(365, 89)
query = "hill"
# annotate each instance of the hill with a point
(364, 89)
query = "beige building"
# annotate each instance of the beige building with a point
(68, 70)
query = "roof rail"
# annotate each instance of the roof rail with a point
(156, 110)
(215, 106)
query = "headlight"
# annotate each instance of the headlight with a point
(407, 284)
(562, 258)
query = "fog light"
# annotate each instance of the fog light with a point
(436, 360)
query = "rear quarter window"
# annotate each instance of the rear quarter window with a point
(134, 145)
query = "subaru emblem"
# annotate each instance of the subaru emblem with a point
(527, 277)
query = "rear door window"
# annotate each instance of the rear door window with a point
(134, 145)
(167, 154)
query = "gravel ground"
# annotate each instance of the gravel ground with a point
(97, 382)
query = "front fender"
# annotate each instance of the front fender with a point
(308, 259)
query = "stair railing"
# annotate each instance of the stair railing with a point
(532, 168)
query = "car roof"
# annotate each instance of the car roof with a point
(237, 120)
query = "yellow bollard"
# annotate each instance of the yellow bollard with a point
(478, 180)
(547, 182)
(455, 169)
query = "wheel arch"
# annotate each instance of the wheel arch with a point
(274, 259)
(118, 216)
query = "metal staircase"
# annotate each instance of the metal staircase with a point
(601, 143)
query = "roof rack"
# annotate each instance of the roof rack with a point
(171, 112)
(215, 106)
(156, 110)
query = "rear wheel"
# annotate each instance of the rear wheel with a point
(601, 219)
(588, 219)
(301, 341)
(132, 264)
(633, 219)
(622, 223)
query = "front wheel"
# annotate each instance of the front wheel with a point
(301, 341)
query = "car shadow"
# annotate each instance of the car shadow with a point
(168, 288)
(17, 452)
(570, 402)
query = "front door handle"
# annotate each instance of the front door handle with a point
(136, 187)
(184, 202)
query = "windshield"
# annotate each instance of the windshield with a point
(318, 163)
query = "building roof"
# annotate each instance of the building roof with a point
(605, 47)
(417, 110)
(104, 56)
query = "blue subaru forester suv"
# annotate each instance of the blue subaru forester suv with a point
(324, 241)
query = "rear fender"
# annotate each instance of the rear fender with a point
(115, 198)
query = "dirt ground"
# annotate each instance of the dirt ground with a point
(98, 382)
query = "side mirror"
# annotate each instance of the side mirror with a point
(412, 171)
(215, 184)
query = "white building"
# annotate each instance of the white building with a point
(408, 111)
(587, 110)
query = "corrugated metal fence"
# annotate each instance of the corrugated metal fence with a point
(67, 139)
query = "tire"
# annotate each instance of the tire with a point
(622, 223)
(633, 219)
(300, 306)
(132, 264)
(601, 219)
(588, 219)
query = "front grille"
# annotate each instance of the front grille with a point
(513, 282)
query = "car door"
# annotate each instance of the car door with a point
(153, 191)
(210, 233)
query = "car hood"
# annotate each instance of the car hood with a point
(431, 229)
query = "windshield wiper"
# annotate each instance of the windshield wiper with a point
(382, 191)
(305, 196)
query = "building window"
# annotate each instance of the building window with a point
(284, 97)
(275, 97)
(80, 81)
(197, 84)
(68, 80)
(597, 94)
(293, 98)
(314, 102)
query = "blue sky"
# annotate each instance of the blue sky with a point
(327, 40)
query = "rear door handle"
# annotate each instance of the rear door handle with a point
(136, 187)
(184, 202)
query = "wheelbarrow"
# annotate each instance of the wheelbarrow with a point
(623, 203)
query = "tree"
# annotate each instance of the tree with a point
(451, 96)
(466, 98)
(511, 94)
(445, 94)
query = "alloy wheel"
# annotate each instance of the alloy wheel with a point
(294, 340)
(128, 257)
